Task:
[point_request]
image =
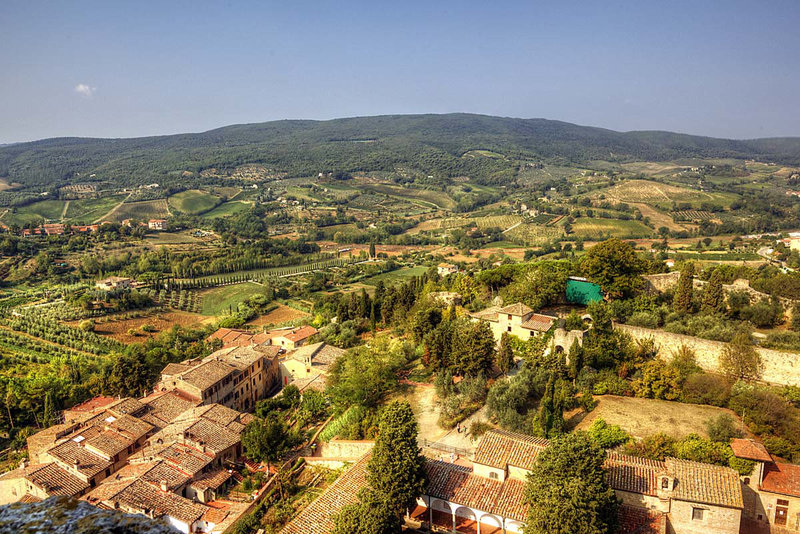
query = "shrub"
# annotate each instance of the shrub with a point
(658, 381)
(704, 388)
(644, 319)
(607, 436)
(722, 428)
(609, 383)
(782, 447)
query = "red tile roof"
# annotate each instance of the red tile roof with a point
(750, 450)
(632, 474)
(296, 334)
(499, 448)
(539, 322)
(782, 478)
(633, 520)
(705, 483)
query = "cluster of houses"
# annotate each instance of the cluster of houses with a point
(59, 229)
(484, 494)
(173, 453)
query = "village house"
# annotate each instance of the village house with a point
(114, 283)
(517, 319)
(236, 377)
(446, 268)
(308, 366)
(771, 491)
(157, 224)
(485, 495)
(291, 338)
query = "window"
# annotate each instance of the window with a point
(509, 317)
(781, 512)
(509, 329)
(697, 514)
(665, 483)
(493, 475)
(747, 481)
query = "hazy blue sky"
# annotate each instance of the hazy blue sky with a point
(130, 68)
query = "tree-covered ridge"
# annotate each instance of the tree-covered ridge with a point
(433, 144)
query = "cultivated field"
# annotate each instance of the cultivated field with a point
(534, 234)
(37, 212)
(659, 194)
(141, 211)
(645, 417)
(227, 208)
(118, 330)
(393, 276)
(498, 221)
(283, 314)
(90, 209)
(596, 228)
(193, 202)
(219, 300)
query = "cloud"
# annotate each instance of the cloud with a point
(85, 90)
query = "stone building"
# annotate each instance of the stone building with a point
(308, 366)
(236, 377)
(517, 319)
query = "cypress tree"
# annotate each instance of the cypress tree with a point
(683, 293)
(714, 295)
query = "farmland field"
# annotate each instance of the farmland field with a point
(595, 228)
(282, 314)
(533, 234)
(436, 199)
(498, 221)
(227, 208)
(118, 330)
(394, 276)
(142, 211)
(659, 194)
(219, 300)
(36, 212)
(87, 210)
(193, 202)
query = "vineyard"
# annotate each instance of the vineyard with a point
(599, 228)
(534, 235)
(257, 275)
(182, 299)
(692, 215)
(20, 348)
(498, 221)
(51, 330)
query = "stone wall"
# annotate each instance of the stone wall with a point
(342, 448)
(779, 367)
(658, 283)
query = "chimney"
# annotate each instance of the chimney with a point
(76, 463)
(23, 463)
(164, 486)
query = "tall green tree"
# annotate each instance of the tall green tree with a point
(505, 354)
(740, 359)
(473, 348)
(549, 419)
(267, 440)
(372, 250)
(567, 491)
(370, 515)
(682, 303)
(713, 300)
(396, 469)
(613, 265)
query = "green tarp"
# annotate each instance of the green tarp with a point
(583, 292)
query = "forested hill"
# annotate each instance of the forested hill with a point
(433, 144)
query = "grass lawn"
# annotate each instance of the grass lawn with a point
(219, 300)
(645, 417)
(587, 227)
(393, 276)
(227, 208)
(87, 210)
(193, 202)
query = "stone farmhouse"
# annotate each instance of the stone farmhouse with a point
(484, 495)
(235, 376)
(517, 319)
(163, 456)
(291, 338)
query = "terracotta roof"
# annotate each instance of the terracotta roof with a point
(499, 448)
(750, 450)
(55, 481)
(212, 480)
(781, 478)
(705, 483)
(294, 334)
(86, 462)
(141, 496)
(317, 517)
(457, 484)
(173, 369)
(167, 406)
(92, 404)
(183, 457)
(126, 406)
(488, 314)
(539, 322)
(243, 357)
(206, 374)
(632, 474)
(321, 354)
(517, 308)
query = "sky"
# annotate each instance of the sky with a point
(134, 68)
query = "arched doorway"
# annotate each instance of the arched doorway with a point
(441, 516)
(466, 522)
(491, 525)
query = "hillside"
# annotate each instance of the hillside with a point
(425, 144)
